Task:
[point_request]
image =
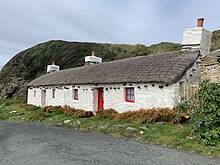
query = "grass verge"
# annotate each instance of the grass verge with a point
(165, 134)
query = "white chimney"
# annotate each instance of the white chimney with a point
(90, 60)
(197, 38)
(52, 68)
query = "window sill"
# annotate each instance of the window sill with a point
(127, 101)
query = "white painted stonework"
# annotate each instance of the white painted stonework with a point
(146, 96)
(93, 59)
(52, 68)
(197, 39)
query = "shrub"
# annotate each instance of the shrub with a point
(47, 108)
(83, 114)
(183, 107)
(206, 120)
(53, 109)
(68, 111)
(106, 114)
(180, 118)
(143, 116)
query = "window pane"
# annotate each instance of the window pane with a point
(129, 91)
(132, 98)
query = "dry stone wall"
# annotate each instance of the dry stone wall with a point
(210, 67)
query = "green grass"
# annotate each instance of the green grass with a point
(175, 136)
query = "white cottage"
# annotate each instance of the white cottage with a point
(129, 84)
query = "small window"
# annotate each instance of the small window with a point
(129, 94)
(34, 93)
(53, 93)
(75, 94)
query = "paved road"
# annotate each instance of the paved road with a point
(34, 143)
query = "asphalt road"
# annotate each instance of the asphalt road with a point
(34, 143)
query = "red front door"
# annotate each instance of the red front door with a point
(100, 99)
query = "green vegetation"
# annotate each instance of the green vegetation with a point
(215, 40)
(206, 119)
(173, 135)
(31, 63)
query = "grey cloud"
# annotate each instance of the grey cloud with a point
(28, 22)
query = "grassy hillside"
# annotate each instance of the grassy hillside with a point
(31, 63)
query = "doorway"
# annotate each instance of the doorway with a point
(43, 98)
(100, 99)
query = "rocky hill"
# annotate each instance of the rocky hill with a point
(31, 63)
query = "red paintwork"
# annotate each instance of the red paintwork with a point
(100, 99)
(129, 94)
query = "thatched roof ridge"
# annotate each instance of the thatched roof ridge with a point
(165, 68)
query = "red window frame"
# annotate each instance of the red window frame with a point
(53, 93)
(129, 94)
(75, 94)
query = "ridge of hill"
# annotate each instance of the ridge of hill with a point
(31, 63)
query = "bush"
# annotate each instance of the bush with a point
(68, 111)
(183, 107)
(106, 114)
(53, 109)
(83, 114)
(143, 116)
(206, 120)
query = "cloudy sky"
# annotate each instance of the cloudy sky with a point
(25, 23)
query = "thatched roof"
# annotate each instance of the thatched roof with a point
(165, 68)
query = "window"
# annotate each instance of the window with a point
(34, 93)
(75, 94)
(129, 94)
(53, 93)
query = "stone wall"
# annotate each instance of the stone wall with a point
(210, 67)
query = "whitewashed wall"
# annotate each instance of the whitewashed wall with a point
(34, 100)
(146, 96)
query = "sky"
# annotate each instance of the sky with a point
(25, 23)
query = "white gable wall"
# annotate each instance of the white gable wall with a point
(34, 100)
(146, 96)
